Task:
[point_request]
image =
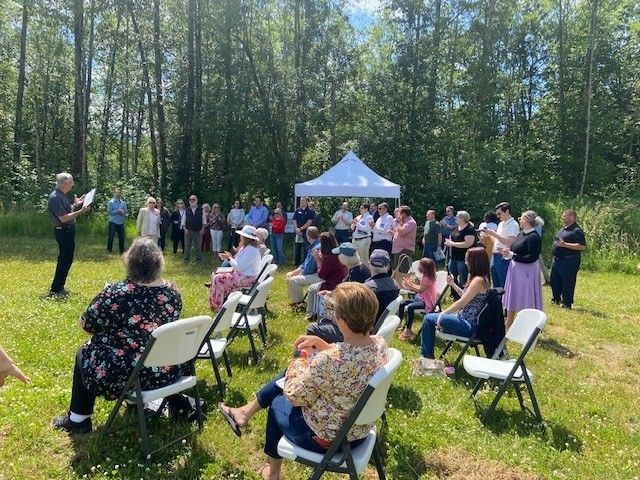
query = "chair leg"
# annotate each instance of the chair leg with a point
(112, 416)
(216, 371)
(534, 402)
(516, 386)
(263, 334)
(477, 387)
(494, 403)
(446, 349)
(142, 420)
(196, 396)
(227, 364)
(253, 345)
(377, 458)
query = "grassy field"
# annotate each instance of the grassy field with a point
(587, 378)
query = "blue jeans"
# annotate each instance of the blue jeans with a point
(459, 270)
(450, 323)
(411, 306)
(277, 248)
(429, 251)
(285, 419)
(499, 268)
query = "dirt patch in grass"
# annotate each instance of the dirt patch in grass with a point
(454, 464)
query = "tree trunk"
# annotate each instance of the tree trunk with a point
(592, 48)
(78, 107)
(87, 96)
(162, 141)
(17, 132)
(562, 107)
(186, 160)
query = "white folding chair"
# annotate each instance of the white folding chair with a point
(493, 306)
(252, 317)
(170, 344)
(340, 457)
(389, 327)
(525, 330)
(267, 272)
(264, 261)
(416, 273)
(215, 345)
(392, 309)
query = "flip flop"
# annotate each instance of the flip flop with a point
(228, 416)
(262, 468)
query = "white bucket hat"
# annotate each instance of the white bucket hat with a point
(248, 231)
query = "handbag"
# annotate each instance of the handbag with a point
(403, 268)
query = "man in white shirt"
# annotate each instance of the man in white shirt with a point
(507, 232)
(361, 226)
(342, 222)
(382, 234)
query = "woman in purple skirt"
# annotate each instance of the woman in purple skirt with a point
(523, 288)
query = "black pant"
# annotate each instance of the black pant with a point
(161, 240)
(232, 239)
(113, 229)
(564, 272)
(66, 238)
(82, 399)
(382, 244)
(178, 239)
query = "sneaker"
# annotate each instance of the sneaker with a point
(63, 422)
(406, 335)
(64, 293)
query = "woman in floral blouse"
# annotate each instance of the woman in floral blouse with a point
(120, 320)
(321, 389)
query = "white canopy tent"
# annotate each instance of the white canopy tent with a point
(350, 177)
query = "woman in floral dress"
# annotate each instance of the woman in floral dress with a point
(121, 319)
(321, 389)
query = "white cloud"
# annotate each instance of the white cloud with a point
(367, 7)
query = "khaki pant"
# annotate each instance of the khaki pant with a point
(295, 286)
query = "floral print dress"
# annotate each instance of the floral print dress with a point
(121, 319)
(329, 385)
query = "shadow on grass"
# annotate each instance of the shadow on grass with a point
(591, 312)
(120, 453)
(524, 424)
(410, 462)
(556, 347)
(403, 398)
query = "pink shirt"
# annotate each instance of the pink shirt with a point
(404, 237)
(428, 296)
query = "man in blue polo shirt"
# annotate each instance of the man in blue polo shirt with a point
(117, 210)
(307, 273)
(63, 216)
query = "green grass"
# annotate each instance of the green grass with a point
(587, 377)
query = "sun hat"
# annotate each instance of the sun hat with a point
(248, 231)
(379, 258)
(346, 248)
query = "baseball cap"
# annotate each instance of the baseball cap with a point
(346, 248)
(379, 258)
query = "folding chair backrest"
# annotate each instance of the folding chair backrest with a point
(259, 299)
(224, 319)
(415, 270)
(268, 252)
(380, 382)
(266, 259)
(528, 322)
(177, 342)
(392, 309)
(441, 282)
(388, 328)
(267, 272)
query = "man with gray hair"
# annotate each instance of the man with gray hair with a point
(63, 215)
(382, 284)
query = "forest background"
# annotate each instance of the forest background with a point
(463, 102)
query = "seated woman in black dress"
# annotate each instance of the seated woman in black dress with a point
(121, 319)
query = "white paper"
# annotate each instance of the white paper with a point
(88, 198)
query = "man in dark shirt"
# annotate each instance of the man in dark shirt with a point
(303, 218)
(382, 284)
(193, 223)
(63, 216)
(566, 250)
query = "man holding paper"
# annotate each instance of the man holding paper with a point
(63, 216)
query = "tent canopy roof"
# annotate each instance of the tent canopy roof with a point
(350, 177)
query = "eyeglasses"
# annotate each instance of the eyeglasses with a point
(216, 207)
(381, 208)
(277, 213)
(192, 199)
(151, 203)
